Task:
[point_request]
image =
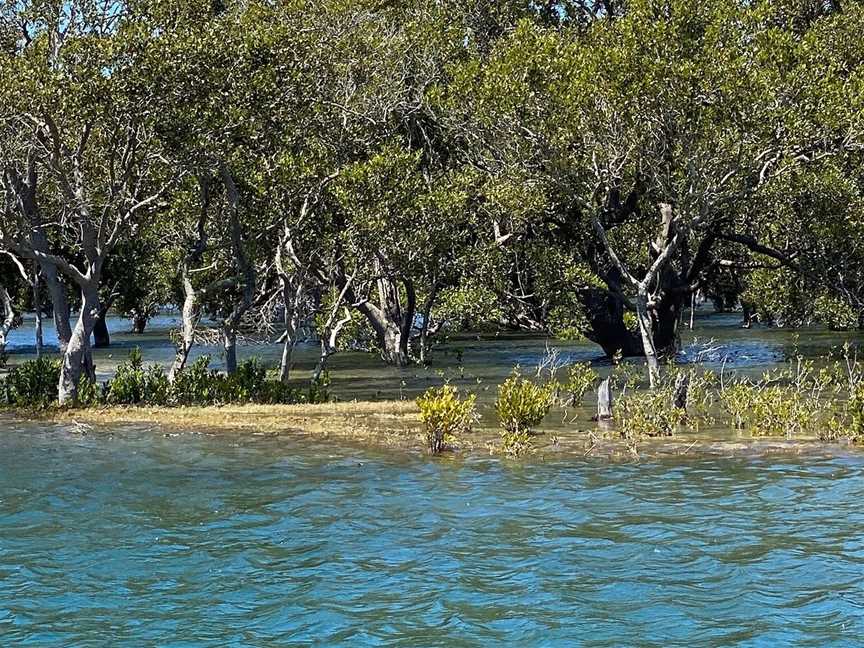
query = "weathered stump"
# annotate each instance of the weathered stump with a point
(604, 400)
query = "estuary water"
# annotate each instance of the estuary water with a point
(127, 537)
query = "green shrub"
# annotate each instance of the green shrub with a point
(198, 385)
(157, 387)
(243, 386)
(33, 384)
(319, 390)
(195, 384)
(850, 422)
(580, 378)
(133, 384)
(275, 392)
(521, 405)
(445, 416)
(772, 410)
(128, 385)
(89, 393)
(855, 408)
(737, 399)
(651, 413)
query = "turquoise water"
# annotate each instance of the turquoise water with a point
(132, 538)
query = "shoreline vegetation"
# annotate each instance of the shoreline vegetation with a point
(396, 426)
(384, 177)
(555, 409)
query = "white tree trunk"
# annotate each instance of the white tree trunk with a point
(395, 346)
(646, 328)
(76, 358)
(8, 321)
(190, 322)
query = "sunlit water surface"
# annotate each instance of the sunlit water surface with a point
(132, 538)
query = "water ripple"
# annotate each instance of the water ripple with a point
(206, 541)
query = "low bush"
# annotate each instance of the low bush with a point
(855, 411)
(772, 410)
(89, 393)
(848, 421)
(33, 384)
(521, 406)
(445, 416)
(652, 413)
(133, 384)
(580, 378)
(319, 390)
(197, 385)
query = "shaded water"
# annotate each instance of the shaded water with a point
(135, 539)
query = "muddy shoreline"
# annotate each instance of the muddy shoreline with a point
(396, 425)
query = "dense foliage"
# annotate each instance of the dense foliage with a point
(521, 406)
(446, 416)
(33, 385)
(375, 174)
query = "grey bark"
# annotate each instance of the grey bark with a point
(189, 322)
(36, 285)
(8, 321)
(647, 296)
(59, 304)
(293, 286)
(190, 314)
(329, 334)
(78, 360)
(231, 324)
(604, 400)
(392, 320)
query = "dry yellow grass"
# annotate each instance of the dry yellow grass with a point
(397, 425)
(389, 423)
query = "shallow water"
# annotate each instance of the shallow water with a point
(136, 539)
(477, 363)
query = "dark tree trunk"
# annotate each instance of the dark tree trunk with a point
(231, 324)
(101, 336)
(666, 317)
(229, 344)
(606, 324)
(139, 323)
(59, 304)
(392, 320)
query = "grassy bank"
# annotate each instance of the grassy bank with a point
(396, 425)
